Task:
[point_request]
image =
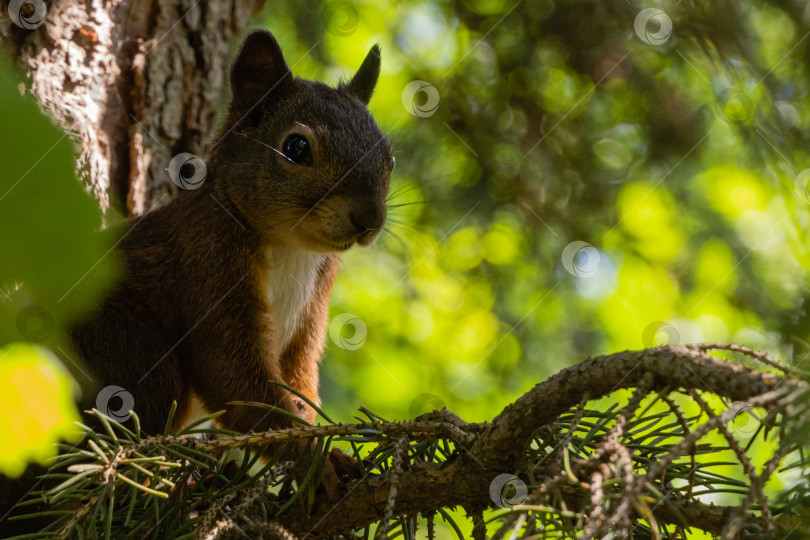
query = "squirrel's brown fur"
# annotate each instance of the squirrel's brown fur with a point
(226, 288)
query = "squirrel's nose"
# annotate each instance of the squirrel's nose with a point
(368, 216)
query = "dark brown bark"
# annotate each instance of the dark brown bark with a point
(134, 82)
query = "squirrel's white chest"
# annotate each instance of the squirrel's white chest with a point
(289, 285)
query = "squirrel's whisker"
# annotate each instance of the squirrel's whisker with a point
(400, 205)
(390, 234)
(263, 144)
(410, 186)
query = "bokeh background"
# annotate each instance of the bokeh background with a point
(573, 178)
(578, 178)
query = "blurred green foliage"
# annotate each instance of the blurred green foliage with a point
(54, 267)
(48, 225)
(673, 158)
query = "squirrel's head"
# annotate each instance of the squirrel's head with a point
(307, 165)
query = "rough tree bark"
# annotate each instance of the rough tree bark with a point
(134, 82)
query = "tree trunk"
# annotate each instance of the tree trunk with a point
(133, 82)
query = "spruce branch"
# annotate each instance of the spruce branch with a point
(641, 466)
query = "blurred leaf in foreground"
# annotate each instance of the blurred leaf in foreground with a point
(38, 406)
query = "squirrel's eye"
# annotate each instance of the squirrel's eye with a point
(296, 148)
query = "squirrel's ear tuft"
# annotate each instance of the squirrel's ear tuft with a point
(259, 68)
(363, 83)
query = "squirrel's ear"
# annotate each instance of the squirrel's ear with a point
(259, 69)
(363, 83)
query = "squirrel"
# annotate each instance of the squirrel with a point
(225, 290)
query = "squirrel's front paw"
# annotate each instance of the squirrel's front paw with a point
(344, 465)
(339, 468)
